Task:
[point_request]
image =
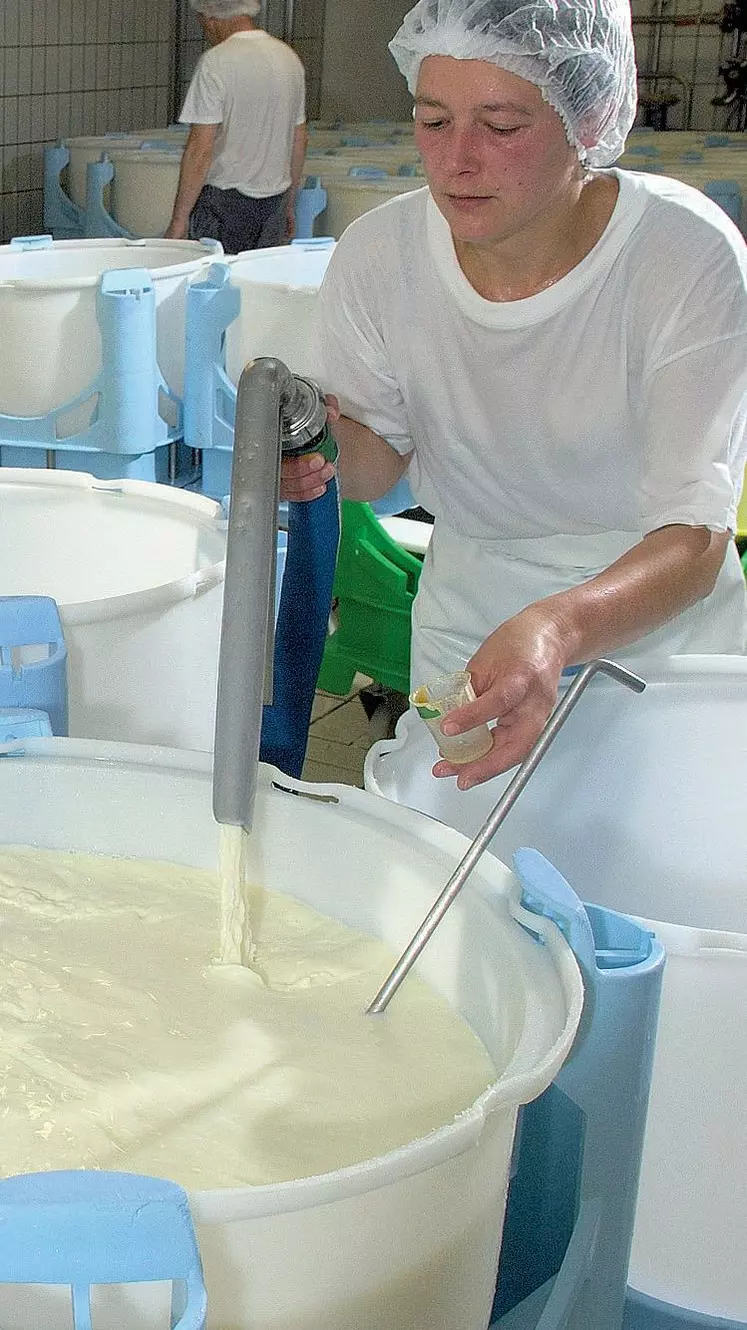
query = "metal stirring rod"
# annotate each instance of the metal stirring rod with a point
(494, 820)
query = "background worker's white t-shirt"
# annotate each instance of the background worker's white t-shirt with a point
(253, 87)
(551, 433)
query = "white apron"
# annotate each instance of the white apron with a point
(469, 586)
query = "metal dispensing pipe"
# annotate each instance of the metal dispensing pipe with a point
(276, 413)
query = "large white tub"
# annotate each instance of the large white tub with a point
(640, 803)
(349, 197)
(279, 289)
(144, 188)
(51, 348)
(406, 1241)
(137, 572)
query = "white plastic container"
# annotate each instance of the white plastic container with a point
(349, 197)
(51, 345)
(137, 572)
(89, 148)
(409, 1239)
(640, 802)
(279, 289)
(144, 188)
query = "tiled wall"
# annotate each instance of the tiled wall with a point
(685, 51)
(90, 66)
(74, 67)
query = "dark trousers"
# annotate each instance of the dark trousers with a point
(237, 221)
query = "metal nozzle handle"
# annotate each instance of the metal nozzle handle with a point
(484, 836)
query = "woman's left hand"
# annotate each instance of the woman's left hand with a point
(515, 674)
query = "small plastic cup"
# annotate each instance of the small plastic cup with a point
(435, 700)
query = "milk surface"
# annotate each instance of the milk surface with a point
(124, 1044)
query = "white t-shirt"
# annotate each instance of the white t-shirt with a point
(615, 400)
(253, 87)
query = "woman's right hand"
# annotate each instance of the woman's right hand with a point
(305, 478)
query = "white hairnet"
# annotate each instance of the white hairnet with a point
(578, 52)
(227, 8)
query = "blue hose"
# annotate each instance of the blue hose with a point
(301, 629)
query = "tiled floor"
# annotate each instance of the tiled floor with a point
(341, 734)
(339, 738)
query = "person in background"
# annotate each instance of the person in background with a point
(243, 160)
(556, 354)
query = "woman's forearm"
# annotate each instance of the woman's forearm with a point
(368, 465)
(667, 572)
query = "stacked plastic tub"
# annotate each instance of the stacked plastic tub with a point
(136, 571)
(92, 366)
(260, 303)
(75, 185)
(640, 803)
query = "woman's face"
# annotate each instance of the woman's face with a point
(495, 153)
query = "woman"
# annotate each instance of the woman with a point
(557, 355)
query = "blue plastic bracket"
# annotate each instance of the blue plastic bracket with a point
(124, 395)
(209, 395)
(98, 223)
(368, 173)
(26, 243)
(64, 218)
(310, 203)
(23, 723)
(41, 685)
(569, 1221)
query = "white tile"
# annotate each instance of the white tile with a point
(38, 70)
(10, 72)
(24, 70)
(76, 68)
(64, 68)
(24, 119)
(50, 130)
(10, 120)
(65, 15)
(52, 23)
(89, 67)
(10, 8)
(51, 69)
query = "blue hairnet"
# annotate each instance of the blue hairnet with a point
(579, 53)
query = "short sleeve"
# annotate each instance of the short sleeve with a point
(350, 356)
(204, 103)
(694, 404)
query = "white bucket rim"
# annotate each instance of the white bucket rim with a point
(701, 943)
(379, 184)
(149, 156)
(657, 674)
(202, 254)
(153, 598)
(270, 254)
(220, 1205)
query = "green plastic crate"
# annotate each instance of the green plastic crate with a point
(375, 585)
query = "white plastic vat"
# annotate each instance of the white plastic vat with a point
(350, 197)
(137, 572)
(640, 802)
(279, 289)
(89, 148)
(409, 1239)
(51, 345)
(144, 188)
